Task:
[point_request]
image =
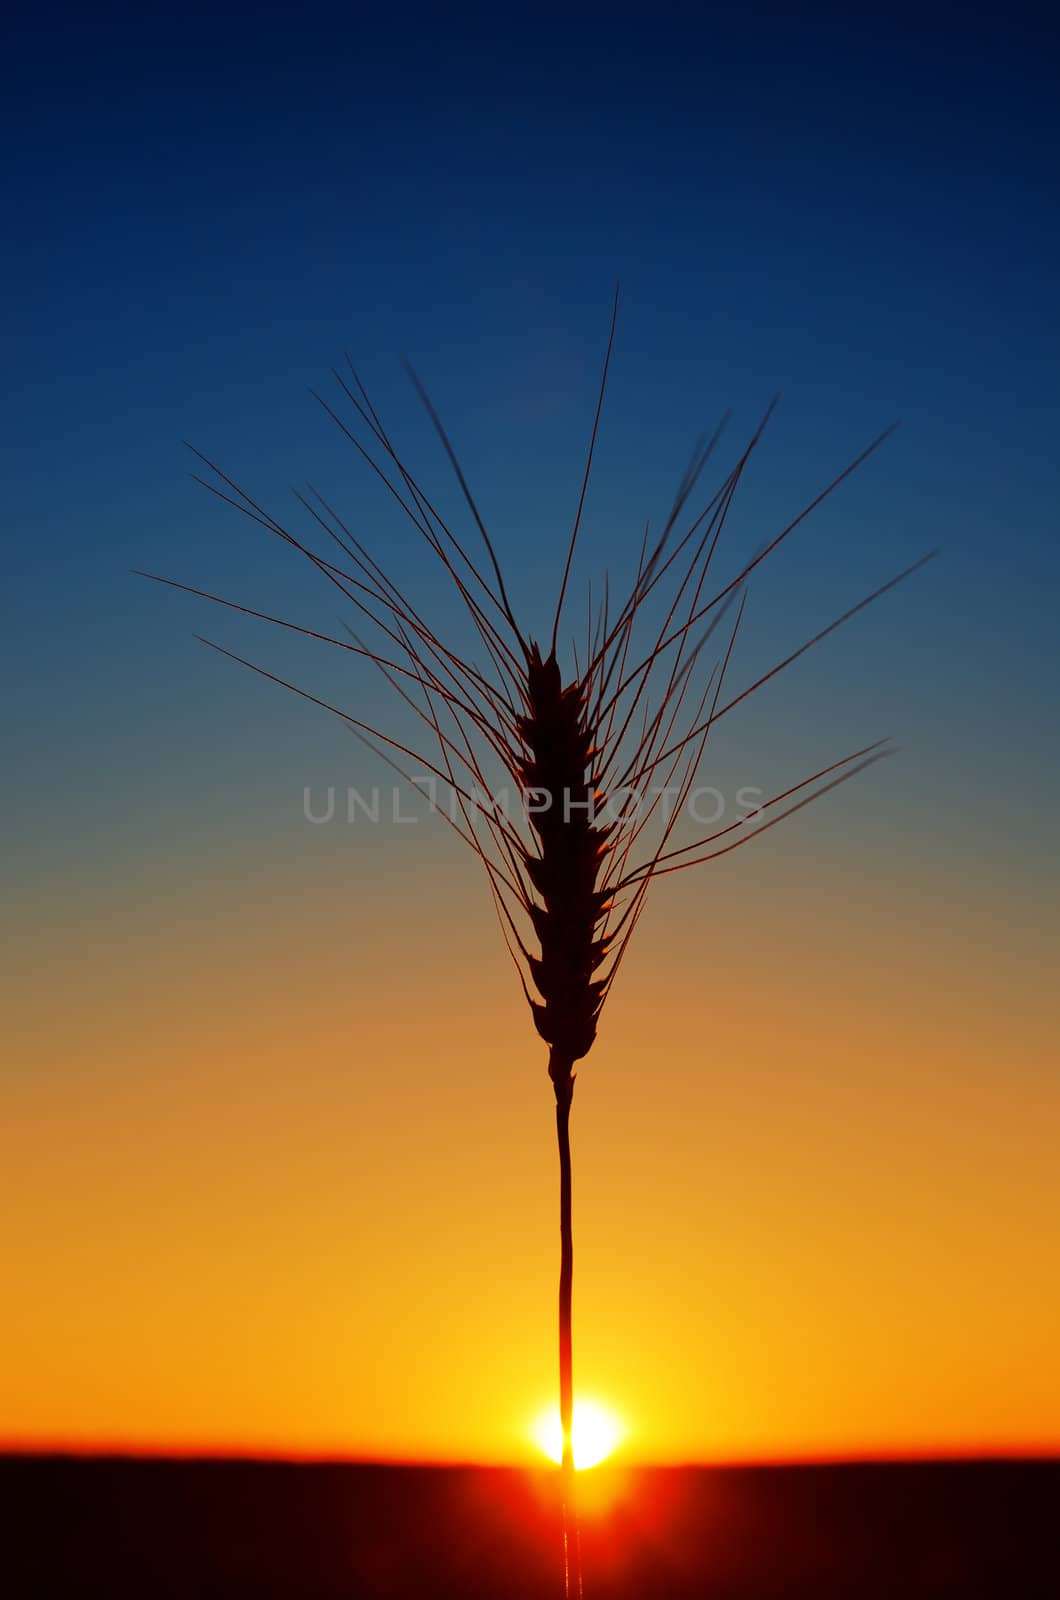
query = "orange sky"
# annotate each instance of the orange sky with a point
(278, 1167)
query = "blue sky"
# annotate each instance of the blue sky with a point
(206, 208)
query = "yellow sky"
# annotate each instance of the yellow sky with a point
(278, 1169)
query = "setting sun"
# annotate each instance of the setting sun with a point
(596, 1433)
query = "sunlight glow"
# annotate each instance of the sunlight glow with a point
(596, 1433)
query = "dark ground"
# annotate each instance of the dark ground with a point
(200, 1530)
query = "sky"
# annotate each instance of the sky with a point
(276, 1140)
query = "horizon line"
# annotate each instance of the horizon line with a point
(131, 1451)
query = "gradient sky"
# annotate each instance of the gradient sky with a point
(276, 1148)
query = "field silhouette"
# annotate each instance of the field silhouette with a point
(204, 1529)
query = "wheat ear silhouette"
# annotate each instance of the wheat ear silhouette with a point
(570, 740)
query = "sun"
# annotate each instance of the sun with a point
(595, 1434)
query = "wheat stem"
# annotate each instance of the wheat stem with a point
(563, 1080)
